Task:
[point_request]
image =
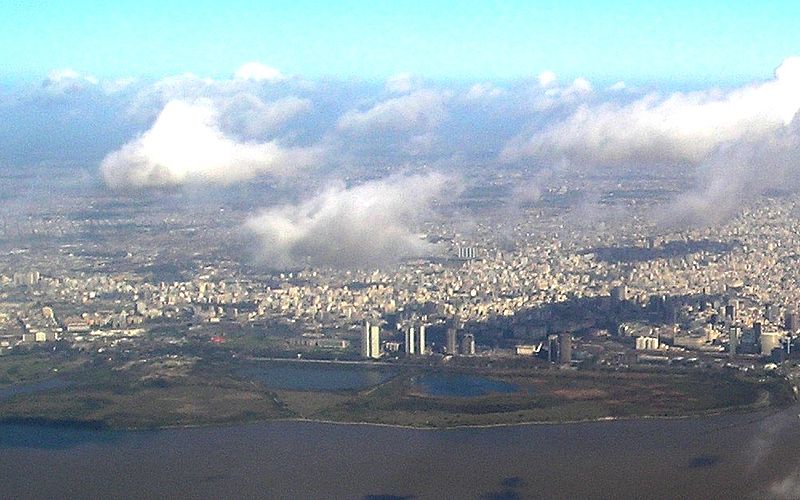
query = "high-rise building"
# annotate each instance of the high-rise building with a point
(559, 348)
(758, 329)
(451, 340)
(410, 343)
(565, 348)
(730, 311)
(375, 342)
(468, 344)
(415, 340)
(733, 343)
(371, 341)
(552, 348)
(791, 321)
(365, 347)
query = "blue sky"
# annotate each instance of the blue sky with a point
(679, 42)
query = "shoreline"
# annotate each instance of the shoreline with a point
(101, 426)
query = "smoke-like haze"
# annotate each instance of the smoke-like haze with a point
(364, 226)
(186, 145)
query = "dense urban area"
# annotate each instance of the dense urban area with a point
(549, 284)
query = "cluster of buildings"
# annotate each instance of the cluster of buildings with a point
(731, 287)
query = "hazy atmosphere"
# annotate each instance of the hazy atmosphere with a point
(132, 135)
(436, 222)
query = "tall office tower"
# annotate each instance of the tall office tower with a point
(730, 311)
(733, 343)
(791, 322)
(451, 340)
(552, 348)
(468, 344)
(410, 337)
(565, 348)
(365, 344)
(421, 335)
(757, 331)
(375, 341)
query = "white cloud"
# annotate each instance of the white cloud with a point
(69, 75)
(681, 128)
(186, 145)
(150, 99)
(546, 78)
(118, 85)
(363, 226)
(482, 91)
(68, 80)
(257, 72)
(738, 173)
(580, 86)
(620, 85)
(420, 110)
(401, 83)
(254, 118)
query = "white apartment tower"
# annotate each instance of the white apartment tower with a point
(415, 340)
(371, 341)
(410, 343)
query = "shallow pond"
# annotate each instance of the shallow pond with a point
(456, 385)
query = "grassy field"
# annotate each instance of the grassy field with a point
(32, 367)
(553, 396)
(178, 391)
(159, 393)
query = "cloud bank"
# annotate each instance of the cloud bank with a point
(739, 173)
(186, 145)
(364, 226)
(254, 118)
(420, 110)
(683, 128)
(187, 129)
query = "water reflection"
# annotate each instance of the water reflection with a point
(707, 457)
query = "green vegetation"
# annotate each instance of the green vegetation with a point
(555, 396)
(35, 366)
(188, 390)
(162, 392)
(147, 407)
